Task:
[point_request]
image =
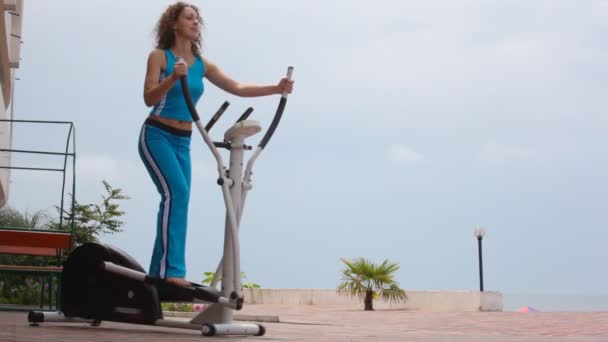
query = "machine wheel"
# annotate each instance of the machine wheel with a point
(262, 330)
(35, 318)
(208, 330)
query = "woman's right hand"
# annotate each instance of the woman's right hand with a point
(179, 69)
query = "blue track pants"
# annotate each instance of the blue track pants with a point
(167, 159)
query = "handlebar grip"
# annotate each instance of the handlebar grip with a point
(245, 115)
(217, 115)
(289, 73)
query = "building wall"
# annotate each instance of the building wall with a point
(11, 17)
(440, 301)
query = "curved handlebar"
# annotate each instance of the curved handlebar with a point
(188, 98)
(273, 124)
(277, 116)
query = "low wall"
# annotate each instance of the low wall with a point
(417, 300)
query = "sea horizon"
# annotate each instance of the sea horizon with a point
(556, 302)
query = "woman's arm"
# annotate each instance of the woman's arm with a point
(153, 89)
(216, 76)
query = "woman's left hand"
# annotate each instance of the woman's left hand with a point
(285, 86)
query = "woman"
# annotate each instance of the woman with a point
(164, 144)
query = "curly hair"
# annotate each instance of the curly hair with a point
(165, 35)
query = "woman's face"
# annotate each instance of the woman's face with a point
(188, 24)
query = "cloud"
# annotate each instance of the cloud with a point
(99, 167)
(401, 155)
(91, 169)
(493, 152)
(472, 60)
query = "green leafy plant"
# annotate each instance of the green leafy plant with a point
(210, 276)
(90, 221)
(178, 307)
(368, 281)
(94, 219)
(17, 289)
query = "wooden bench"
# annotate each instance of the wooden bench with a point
(36, 242)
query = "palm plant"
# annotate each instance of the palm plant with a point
(368, 281)
(11, 218)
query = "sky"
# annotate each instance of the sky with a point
(411, 124)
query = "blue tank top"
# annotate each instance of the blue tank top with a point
(173, 105)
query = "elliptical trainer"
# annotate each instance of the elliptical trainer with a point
(103, 283)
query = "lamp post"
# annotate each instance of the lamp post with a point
(479, 233)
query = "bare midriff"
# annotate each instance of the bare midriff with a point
(179, 124)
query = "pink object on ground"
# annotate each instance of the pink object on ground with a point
(199, 307)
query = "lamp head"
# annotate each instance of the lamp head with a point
(480, 232)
